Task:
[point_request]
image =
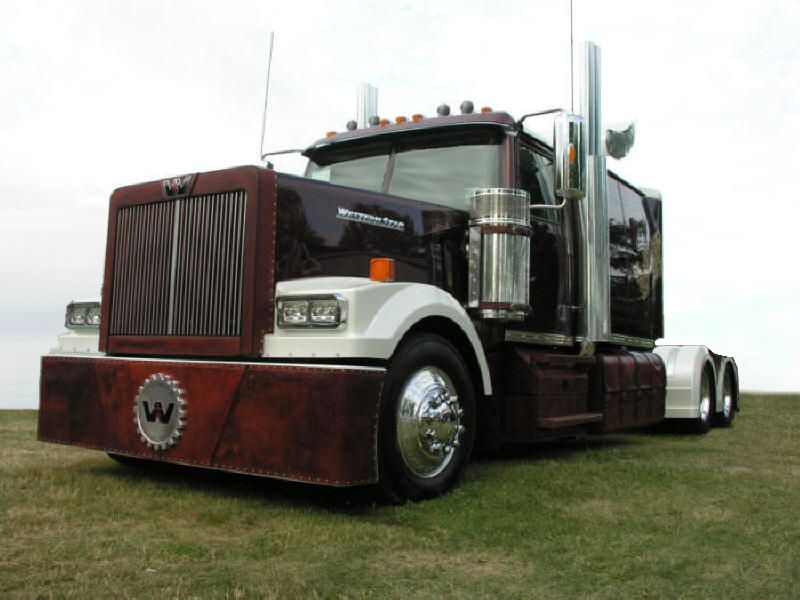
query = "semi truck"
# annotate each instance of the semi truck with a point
(430, 287)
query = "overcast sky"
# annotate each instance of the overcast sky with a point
(95, 95)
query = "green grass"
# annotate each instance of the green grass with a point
(636, 515)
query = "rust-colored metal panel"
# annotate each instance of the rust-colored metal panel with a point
(329, 427)
(70, 409)
(630, 389)
(264, 280)
(305, 423)
(538, 385)
(174, 345)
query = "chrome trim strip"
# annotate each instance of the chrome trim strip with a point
(95, 356)
(629, 340)
(536, 337)
(173, 266)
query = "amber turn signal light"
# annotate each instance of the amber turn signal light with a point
(381, 269)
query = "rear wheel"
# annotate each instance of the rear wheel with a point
(427, 421)
(705, 402)
(725, 418)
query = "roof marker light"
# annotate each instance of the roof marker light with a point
(383, 122)
(374, 120)
(467, 107)
(330, 134)
(417, 117)
(443, 110)
(351, 125)
(485, 109)
(400, 119)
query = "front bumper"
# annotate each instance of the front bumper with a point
(309, 423)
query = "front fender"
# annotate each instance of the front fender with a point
(379, 315)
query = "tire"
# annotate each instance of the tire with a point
(725, 418)
(427, 420)
(705, 402)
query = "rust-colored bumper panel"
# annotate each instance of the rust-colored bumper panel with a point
(305, 423)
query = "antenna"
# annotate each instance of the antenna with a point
(266, 95)
(571, 63)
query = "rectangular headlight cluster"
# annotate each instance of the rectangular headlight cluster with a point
(312, 311)
(82, 315)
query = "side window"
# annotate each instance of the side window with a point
(535, 176)
(640, 278)
(549, 285)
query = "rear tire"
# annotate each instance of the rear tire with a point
(427, 419)
(725, 418)
(705, 402)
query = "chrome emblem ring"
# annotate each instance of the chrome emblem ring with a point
(160, 412)
(429, 426)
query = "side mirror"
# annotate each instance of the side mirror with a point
(569, 142)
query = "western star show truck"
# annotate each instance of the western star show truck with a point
(431, 286)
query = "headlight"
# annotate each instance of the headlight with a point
(82, 315)
(312, 311)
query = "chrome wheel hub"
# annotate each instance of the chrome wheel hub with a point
(727, 397)
(705, 399)
(429, 422)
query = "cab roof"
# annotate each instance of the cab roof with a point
(502, 119)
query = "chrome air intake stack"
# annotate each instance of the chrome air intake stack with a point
(499, 253)
(594, 296)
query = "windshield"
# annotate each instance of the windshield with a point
(441, 174)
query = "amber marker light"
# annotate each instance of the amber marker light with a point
(417, 118)
(571, 153)
(330, 134)
(400, 119)
(384, 122)
(485, 109)
(381, 269)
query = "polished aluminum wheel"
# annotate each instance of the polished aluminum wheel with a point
(705, 398)
(429, 422)
(727, 397)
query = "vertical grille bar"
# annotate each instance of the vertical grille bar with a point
(178, 267)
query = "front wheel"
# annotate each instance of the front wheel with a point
(427, 421)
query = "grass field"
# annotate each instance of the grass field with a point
(637, 515)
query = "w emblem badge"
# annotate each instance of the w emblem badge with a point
(160, 411)
(157, 412)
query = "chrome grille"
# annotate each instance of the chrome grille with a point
(178, 267)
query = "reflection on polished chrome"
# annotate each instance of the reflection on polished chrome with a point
(498, 206)
(499, 253)
(429, 425)
(629, 340)
(727, 396)
(536, 337)
(705, 399)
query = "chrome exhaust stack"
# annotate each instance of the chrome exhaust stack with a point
(594, 294)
